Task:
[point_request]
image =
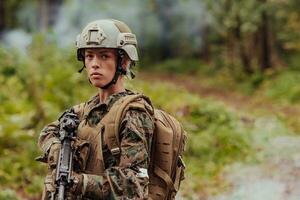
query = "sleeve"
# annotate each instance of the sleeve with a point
(49, 134)
(130, 177)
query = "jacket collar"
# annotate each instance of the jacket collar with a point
(94, 102)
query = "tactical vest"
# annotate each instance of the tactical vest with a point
(166, 169)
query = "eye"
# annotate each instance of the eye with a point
(88, 56)
(104, 56)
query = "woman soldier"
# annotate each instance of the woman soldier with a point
(107, 49)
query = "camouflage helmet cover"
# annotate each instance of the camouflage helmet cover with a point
(107, 33)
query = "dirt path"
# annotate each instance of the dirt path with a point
(276, 177)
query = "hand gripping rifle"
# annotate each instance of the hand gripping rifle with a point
(68, 126)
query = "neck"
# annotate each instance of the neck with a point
(113, 89)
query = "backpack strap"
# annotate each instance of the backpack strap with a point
(162, 174)
(112, 119)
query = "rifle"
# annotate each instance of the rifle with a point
(68, 125)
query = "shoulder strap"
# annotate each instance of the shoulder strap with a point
(112, 119)
(79, 110)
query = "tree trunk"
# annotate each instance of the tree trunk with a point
(43, 16)
(2, 17)
(265, 58)
(163, 8)
(205, 50)
(53, 11)
(244, 57)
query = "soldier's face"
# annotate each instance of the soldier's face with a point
(101, 65)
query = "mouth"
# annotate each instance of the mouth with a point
(96, 74)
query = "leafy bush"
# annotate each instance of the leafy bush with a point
(284, 87)
(8, 195)
(34, 90)
(188, 65)
(281, 85)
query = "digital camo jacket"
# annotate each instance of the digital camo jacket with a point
(121, 177)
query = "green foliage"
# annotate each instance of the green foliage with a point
(294, 61)
(254, 33)
(10, 12)
(217, 140)
(177, 66)
(215, 128)
(34, 90)
(230, 14)
(8, 195)
(280, 86)
(284, 87)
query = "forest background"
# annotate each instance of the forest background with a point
(229, 70)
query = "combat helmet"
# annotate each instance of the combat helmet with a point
(108, 33)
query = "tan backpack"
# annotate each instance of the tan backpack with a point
(166, 168)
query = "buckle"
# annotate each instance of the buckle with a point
(115, 151)
(180, 162)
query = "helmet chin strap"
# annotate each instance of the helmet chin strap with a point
(119, 70)
(81, 69)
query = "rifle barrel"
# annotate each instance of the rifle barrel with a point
(61, 192)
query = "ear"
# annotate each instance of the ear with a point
(125, 62)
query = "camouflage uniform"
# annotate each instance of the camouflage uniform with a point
(123, 176)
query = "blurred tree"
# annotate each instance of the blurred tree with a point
(48, 12)
(235, 21)
(289, 24)
(8, 14)
(256, 30)
(163, 9)
(264, 32)
(2, 18)
(181, 27)
(45, 14)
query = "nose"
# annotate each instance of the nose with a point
(95, 64)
